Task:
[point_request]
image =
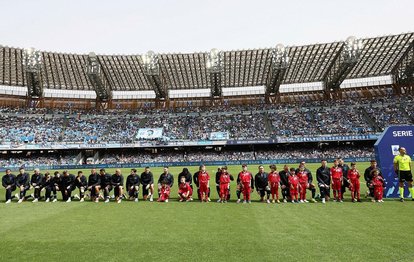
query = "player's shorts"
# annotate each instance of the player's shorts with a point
(263, 191)
(145, 191)
(405, 176)
(336, 184)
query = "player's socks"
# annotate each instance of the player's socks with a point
(411, 192)
(401, 192)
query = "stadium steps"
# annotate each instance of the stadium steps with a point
(404, 111)
(142, 122)
(268, 124)
(369, 119)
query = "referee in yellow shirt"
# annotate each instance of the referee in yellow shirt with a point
(402, 167)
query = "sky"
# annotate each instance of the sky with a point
(186, 26)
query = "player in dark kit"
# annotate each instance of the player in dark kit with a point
(94, 184)
(147, 181)
(368, 178)
(323, 176)
(345, 169)
(56, 184)
(284, 183)
(217, 180)
(67, 186)
(82, 184)
(9, 183)
(106, 183)
(35, 182)
(167, 177)
(132, 185)
(261, 183)
(117, 182)
(23, 183)
(47, 185)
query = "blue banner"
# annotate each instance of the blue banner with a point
(386, 148)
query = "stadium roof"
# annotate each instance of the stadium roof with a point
(241, 68)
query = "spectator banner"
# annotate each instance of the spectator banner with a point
(219, 136)
(386, 148)
(149, 133)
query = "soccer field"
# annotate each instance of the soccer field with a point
(197, 231)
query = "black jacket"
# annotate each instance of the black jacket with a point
(106, 180)
(188, 178)
(23, 180)
(94, 180)
(323, 176)
(117, 180)
(68, 181)
(36, 180)
(147, 179)
(367, 174)
(132, 180)
(261, 181)
(169, 177)
(284, 178)
(81, 181)
(8, 180)
(47, 182)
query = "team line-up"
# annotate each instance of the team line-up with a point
(291, 182)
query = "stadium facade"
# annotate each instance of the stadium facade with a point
(238, 83)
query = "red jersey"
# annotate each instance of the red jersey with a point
(353, 175)
(245, 177)
(303, 177)
(165, 189)
(224, 178)
(274, 177)
(336, 173)
(203, 177)
(378, 181)
(184, 187)
(294, 181)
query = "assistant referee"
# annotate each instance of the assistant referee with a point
(402, 167)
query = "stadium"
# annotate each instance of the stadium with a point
(81, 131)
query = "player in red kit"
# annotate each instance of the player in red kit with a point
(224, 185)
(378, 183)
(247, 183)
(337, 177)
(293, 185)
(164, 191)
(185, 191)
(274, 183)
(303, 182)
(203, 180)
(353, 180)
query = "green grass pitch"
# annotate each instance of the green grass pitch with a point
(207, 231)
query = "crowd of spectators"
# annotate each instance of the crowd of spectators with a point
(259, 121)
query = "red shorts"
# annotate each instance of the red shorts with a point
(274, 187)
(354, 185)
(224, 189)
(336, 184)
(203, 188)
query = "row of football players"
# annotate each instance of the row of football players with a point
(290, 181)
